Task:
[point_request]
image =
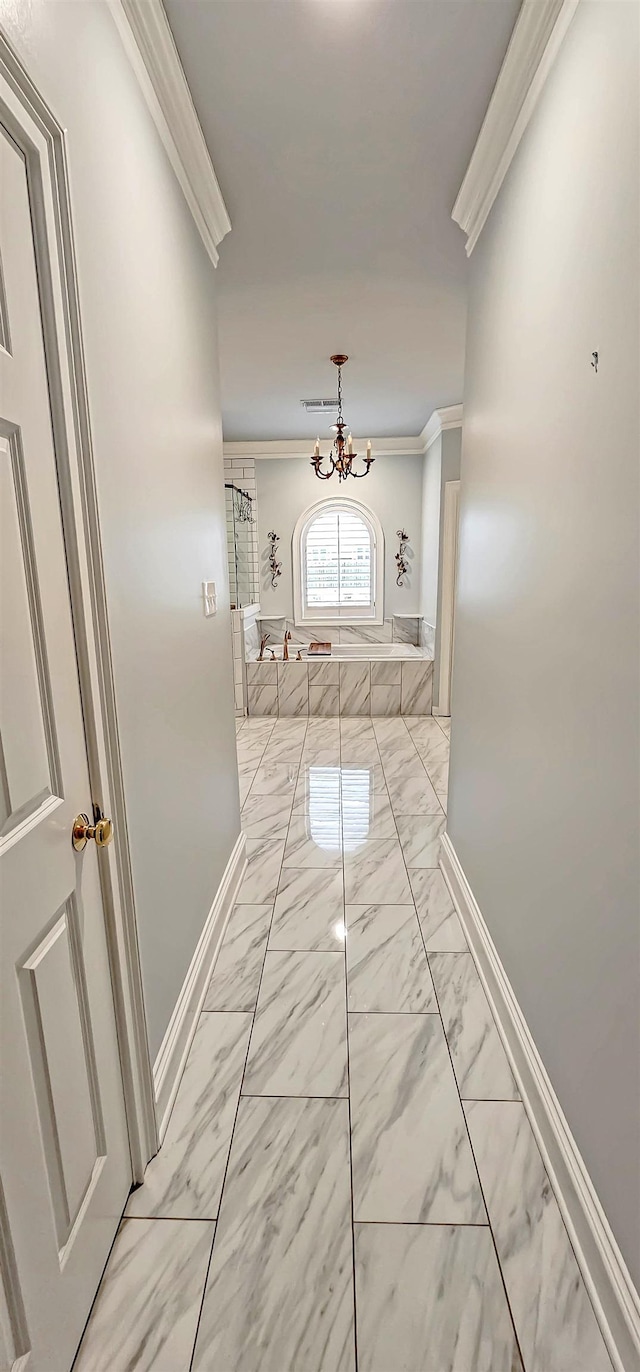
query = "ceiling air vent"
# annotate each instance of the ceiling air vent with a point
(319, 406)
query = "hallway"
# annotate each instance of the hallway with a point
(347, 1111)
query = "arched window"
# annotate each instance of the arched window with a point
(338, 558)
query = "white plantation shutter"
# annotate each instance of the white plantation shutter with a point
(338, 552)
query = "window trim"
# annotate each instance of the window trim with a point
(303, 620)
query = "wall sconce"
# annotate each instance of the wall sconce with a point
(401, 562)
(275, 567)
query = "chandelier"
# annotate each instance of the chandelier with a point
(342, 455)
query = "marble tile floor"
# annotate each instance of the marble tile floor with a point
(349, 1182)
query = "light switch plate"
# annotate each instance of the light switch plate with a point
(209, 597)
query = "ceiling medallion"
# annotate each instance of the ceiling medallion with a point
(342, 455)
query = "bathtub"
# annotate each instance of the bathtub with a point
(345, 652)
(357, 679)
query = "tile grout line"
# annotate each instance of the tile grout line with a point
(489, 1224)
(235, 1119)
(346, 1008)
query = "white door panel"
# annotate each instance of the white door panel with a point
(64, 1157)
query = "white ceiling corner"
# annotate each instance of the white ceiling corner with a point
(449, 417)
(534, 46)
(149, 43)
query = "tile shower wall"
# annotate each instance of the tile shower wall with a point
(239, 661)
(358, 688)
(242, 538)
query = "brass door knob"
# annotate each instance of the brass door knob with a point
(83, 830)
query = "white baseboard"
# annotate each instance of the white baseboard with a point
(169, 1064)
(614, 1296)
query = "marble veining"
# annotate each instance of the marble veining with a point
(385, 700)
(413, 795)
(309, 910)
(323, 673)
(420, 838)
(551, 1309)
(406, 629)
(355, 688)
(417, 686)
(146, 1312)
(298, 1044)
(439, 921)
(438, 774)
(184, 1179)
(386, 672)
(367, 633)
(313, 840)
(264, 860)
(261, 698)
(324, 700)
(266, 816)
(293, 692)
(387, 968)
(236, 975)
(479, 1060)
(430, 1298)
(412, 1162)
(375, 872)
(279, 1294)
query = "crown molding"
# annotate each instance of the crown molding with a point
(299, 447)
(450, 418)
(535, 42)
(148, 41)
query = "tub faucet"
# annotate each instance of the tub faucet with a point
(263, 643)
(285, 646)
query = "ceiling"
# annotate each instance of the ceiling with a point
(340, 131)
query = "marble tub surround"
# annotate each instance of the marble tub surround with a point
(427, 636)
(355, 688)
(293, 688)
(406, 629)
(417, 688)
(328, 1109)
(402, 628)
(358, 687)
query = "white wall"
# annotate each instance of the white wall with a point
(148, 309)
(451, 447)
(543, 806)
(393, 490)
(430, 530)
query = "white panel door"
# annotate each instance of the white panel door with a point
(64, 1157)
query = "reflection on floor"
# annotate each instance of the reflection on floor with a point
(349, 1179)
